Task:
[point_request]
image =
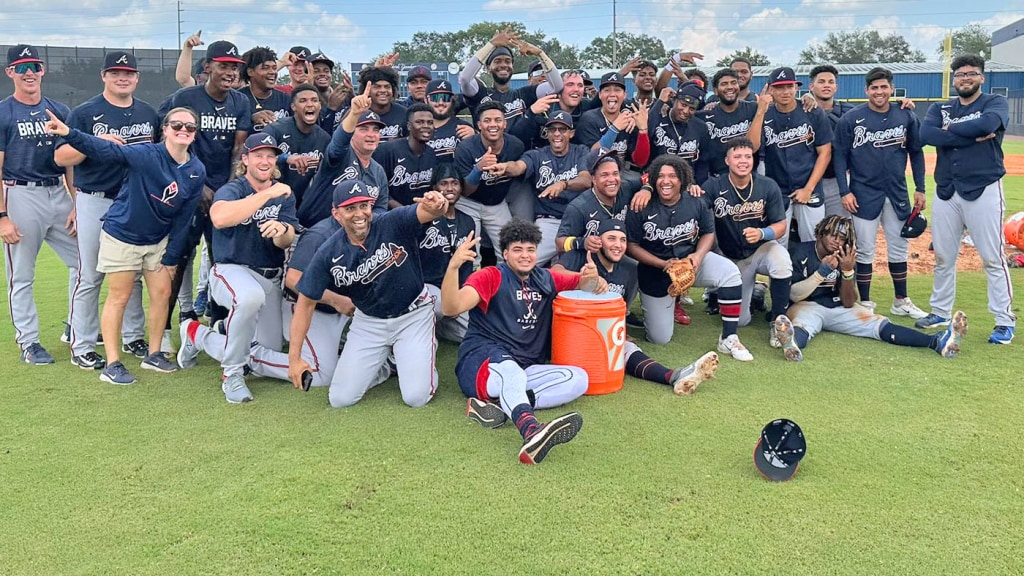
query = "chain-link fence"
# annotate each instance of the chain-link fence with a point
(73, 72)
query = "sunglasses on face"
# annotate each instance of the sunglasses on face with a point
(26, 67)
(440, 97)
(189, 127)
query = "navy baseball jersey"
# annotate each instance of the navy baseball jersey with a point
(440, 240)
(689, 141)
(340, 163)
(543, 169)
(805, 264)
(158, 197)
(445, 141)
(28, 149)
(218, 123)
(533, 132)
(136, 124)
(408, 174)
(244, 244)
(722, 127)
(382, 276)
(294, 142)
(790, 144)
(758, 205)
(331, 119)
(582, 218)
(394, 121)
(667, 232)
(617, 278)
(592, 127)
(278, 102)
(839, 108)
(309, 242)
(513, 314)
(516, 101)
(492, 189)
(963, 165)
(874, 147)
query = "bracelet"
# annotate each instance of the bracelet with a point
(848, 274)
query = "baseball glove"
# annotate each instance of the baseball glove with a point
(682, 275)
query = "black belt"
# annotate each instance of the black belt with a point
(420, 301)
(46, 182)
(268, 273)
(109, 194)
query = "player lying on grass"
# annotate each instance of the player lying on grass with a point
(509, 338)
(824, 296)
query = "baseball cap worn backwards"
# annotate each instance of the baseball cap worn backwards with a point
(350, 192)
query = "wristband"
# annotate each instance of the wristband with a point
(767, 233)
(567, 244)
(824, 269)
(474, 176)
(609, 137)
(848, 274)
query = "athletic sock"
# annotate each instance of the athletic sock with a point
(779, 289)
(525, 421)
(864, 281)
(903, 336)
(729, 298)
(640, 365)
(191, 330)
(801, 337)
(898, 271)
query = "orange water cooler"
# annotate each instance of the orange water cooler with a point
(589, 331)
(1013, 230)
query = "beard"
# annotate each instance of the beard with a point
(500, 81)
(968, 92)
(443, 116)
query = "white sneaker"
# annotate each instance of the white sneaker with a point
(904, 307)
(733, 347)
(165, 343)
(868, 304)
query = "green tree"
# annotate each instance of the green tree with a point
(755, 57)
(604, 53)
(971, 39)
(861, 47)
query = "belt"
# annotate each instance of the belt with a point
(268, 273)
(547, 217)
(46, 182)
(422, 299)
(109, 194)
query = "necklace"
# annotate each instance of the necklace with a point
(601, 204)
(739, 188)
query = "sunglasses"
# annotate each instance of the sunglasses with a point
(189, 127)
(440, 97)
(26, 67)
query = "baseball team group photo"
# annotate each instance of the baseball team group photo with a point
(275, 310)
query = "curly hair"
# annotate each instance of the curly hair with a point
(375, 74)
(836, 225)
(681, 167)
(518, 231)
(254, 58)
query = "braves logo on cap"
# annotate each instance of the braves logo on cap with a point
(442, 86)
(122, 60)
(559, 116)
(372, 116)
(26, 52)
(781, 75)
(169, 193)
(232, 52)
(268, 140)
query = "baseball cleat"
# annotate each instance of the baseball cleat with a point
(869, 304)
(773, 336)
(116, 373)
(685, 380)
(558, 431)
(681, 317)
(36, 355)
(188, 354)
(634, 321)
(1001, 335)
(200, 303)
(733, 347)
(65, 336)
(685, 299)
(948, 344)
(787, 338)
(235, 390)
(138, 348)
(89, 361)
(487, 414)
(904, 307)
(931, 321)
(758, 297)
(186, 316)
(159, 362)
(307, 380)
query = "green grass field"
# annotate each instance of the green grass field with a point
(914, 466)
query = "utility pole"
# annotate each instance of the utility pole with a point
(615, 41)
(179, 22)
(947, 60)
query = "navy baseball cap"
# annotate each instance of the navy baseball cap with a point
(199, 68)
(586, 78)
(782, 76)
(120, 60)
(500, 51)
(21, 54)
(350, 192)
(560, 117)
(261, 140)
(779, 450)
(419, 72)
(613, 79)
(537, 66)
(602, 155)
(301, 52)
(692, 95)
(321, 57)
(609, 225)
(223, 51)
(439, 86)
(915, 225)
(370, 117)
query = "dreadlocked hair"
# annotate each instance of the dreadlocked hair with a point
(836, 225)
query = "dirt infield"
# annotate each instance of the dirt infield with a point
(1014, 164)
(921, 260)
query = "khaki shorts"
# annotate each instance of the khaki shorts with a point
(117, 256)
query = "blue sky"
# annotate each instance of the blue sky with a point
(356, 31)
